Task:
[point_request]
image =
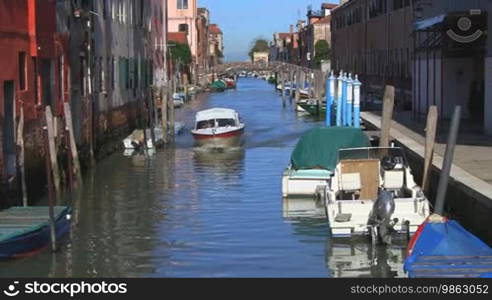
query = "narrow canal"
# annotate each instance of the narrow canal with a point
(186, 212)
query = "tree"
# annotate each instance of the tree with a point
(323, 52)
(258, 45)
(180, 52)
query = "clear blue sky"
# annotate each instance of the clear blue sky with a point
(244, 20)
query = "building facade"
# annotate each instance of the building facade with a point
(285, 47)
(433, 52)
(183, 17)
(216, 45)
(298, 47)
(203, 40)
(260, 58)
(452, 60)
(101, 57)
(373, 38)
(34, 72)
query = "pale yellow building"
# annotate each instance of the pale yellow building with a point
(260, 57)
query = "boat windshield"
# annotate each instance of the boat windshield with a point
(205, 124)
(382, 154)
(226, 122)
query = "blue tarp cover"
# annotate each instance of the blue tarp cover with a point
(447, 249)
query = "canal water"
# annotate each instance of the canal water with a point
(186, 212)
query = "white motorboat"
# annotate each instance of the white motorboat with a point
(218, 128)
(314, 159)
(136, 140)
(179, 99)
(373, 192)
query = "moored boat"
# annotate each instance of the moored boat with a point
(443, 248)
(24, 231)
(218, 86)
(373, 193)
(179, 99)
(230, 83)
(311, 106)
(218, 128)
(314, 159)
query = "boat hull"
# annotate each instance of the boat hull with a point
(302, 185)
(34, 241)
(313, 109)
(443, 248)
(360, 211)
(222, 140)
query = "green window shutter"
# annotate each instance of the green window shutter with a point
(121, 68)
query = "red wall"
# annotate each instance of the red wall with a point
(30, 26)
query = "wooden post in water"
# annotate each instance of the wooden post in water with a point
(315, 86)
(298, 87)
(163, 97)
(21, 157)
(171, 106)
(312, 85)
(73, 146)
(387, 119)
(69, 160)
(291, 83)
(283, 81)
(49, 177)
(448, 162)
(52, 149)
(152, 114)
(430, 140)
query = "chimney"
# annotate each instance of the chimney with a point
(291, 28)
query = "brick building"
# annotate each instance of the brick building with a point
(216, 44)
(102, 57)
(34, 75)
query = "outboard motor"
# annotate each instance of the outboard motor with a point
(380, 218)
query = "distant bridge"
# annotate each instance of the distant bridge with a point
(235, 67)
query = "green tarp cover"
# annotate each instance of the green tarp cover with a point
(219, 85)
(318, 148)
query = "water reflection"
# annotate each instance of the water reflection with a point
(223, 162)
(183, 212)
(355, 259)
(344, 257)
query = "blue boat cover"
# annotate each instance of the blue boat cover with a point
(447, 249)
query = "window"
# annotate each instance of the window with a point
(205, 124)
(22, 71)
(183, 28)
(113, 72)
(226, 122)
(182, 4)
(102, 75)
(113, 10)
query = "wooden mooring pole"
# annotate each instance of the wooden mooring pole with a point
(21, 157)
(430, 141)
(73, 146)
(174, 86)
(52, 150)
(164, 123)
(51, 192)
(387, 120)
(448, 162)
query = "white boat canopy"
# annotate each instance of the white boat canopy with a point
(216, 113)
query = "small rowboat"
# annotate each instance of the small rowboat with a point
(218, 128)
(443, 248)
(24, 231)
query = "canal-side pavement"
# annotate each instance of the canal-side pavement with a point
(469, 197)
